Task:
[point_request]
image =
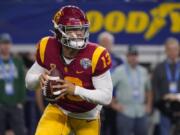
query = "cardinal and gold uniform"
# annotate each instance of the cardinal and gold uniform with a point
(72, 113)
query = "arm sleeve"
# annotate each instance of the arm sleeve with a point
(32, 76)
(102, 94)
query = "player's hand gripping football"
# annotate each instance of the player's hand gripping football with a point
(65, 87)
(44, 78)
(53, 86)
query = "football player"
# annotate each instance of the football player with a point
(85, 81)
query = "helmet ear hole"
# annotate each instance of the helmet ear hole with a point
(64, 41)
(58, 34)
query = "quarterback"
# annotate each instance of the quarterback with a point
(85, 81)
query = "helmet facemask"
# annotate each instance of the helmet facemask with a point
(72, 36)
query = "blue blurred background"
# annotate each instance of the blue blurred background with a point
(141, 23)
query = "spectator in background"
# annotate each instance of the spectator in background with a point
(30, 104)
(165, 82)
(12, 89)
(38, 98)
(133, 96)
(106, 40)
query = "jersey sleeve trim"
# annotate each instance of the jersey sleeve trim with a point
(42, 48)
(97, 53)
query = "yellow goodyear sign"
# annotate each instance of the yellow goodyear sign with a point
(148, 22)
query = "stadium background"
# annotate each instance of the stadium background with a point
(145, 24)
(142, 23)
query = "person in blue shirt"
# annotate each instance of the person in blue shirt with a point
(165, 84)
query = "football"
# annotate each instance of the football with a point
(49, 92)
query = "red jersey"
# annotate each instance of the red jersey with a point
(90, 61)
